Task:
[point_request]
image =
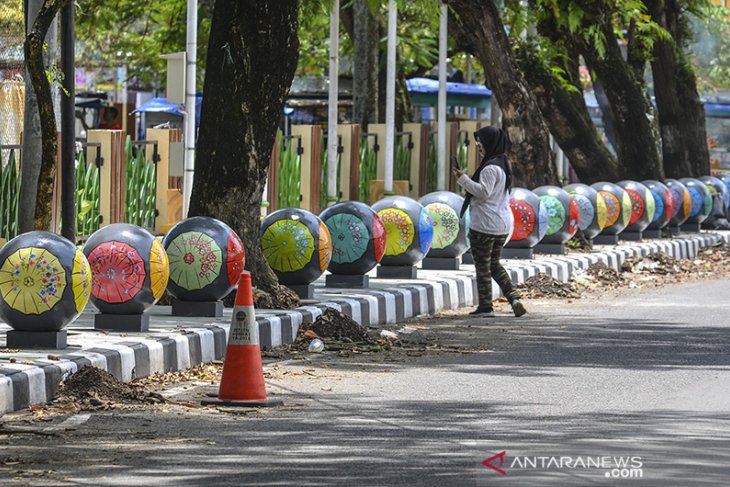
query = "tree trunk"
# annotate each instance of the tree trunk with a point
(252, 56)
(31, 153)
(529, 140)
(365, 35)
(34, 44)
(636, 134)
(681, 113)
(570, 123)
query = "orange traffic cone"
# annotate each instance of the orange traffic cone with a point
(242, 383)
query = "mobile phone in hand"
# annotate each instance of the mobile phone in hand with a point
(455, 163)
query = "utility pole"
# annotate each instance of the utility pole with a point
(68, 125)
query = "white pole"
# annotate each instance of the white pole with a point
(125, 95)
(390, 101)
(190, 59)
(443, 46)
(332, 141)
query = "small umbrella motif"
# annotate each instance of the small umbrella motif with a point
(325, 247)
(696, 201)
(555, 213)
(650, 204)
(524, 218)
(399, 230)
(350, 237)
(159, 269)
(626, 208)
(425, 230)
(637, 206)
(707, 202)
(658, 206)
(81, 280)
(573, 217)
(288, 245)
(586, 211)
(601, 211)
(32, 280)
(117, 272)
(669, 203)
(445, 224)
(542, 221)
(235, 258)
(195, 260)
(613, 209)
(378, 238)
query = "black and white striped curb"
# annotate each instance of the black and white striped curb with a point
(33, 378)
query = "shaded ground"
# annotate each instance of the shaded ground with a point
(640, 372)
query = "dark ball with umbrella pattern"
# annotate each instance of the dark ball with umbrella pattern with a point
(408, 230)
(449, 229)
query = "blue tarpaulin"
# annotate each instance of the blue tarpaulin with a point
(160, 105)
(424, 91)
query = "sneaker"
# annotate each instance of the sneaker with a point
(483, 311)
(518, 308)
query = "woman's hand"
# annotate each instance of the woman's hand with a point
(457, 172)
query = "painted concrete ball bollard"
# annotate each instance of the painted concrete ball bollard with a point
(129, 269)
(408, 230)
(725, 178)
(717, 189)
(643, 205)
(618, 207)
(701, 200)
(682, 202)
(358, 237)
(206, 259)
(530, 219)
(45, 282)
(449, 229)
(296, 244)
(592, 209)
(562, 211)
(664, 204)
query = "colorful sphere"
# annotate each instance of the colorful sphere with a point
(296, 244)
(206, 259)
(643, 205)
(682, 202)
(408, 230)
(717, 190)
(358, 237)
(45, 282)
(618, 207)
(664, 204)
(526, 214)
(449, 230)
(129, 269)
(592, 209)
(562, 212)
(701, 200)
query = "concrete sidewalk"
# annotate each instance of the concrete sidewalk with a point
(178, 343)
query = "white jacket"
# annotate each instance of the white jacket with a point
(489, 209)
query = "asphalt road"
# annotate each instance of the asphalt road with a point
(642, 378)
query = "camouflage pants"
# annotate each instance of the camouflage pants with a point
(486, 250)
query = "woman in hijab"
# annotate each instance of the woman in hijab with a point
(488, 199)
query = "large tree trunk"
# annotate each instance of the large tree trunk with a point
(529, 149)
(34, 47)
(636, 134)
(252, 55)
(570, 123)
(365, 35)
(681, 113)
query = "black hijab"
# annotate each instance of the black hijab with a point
(494, 142)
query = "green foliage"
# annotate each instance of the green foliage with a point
(87, 196)
(402, 169)
(711, 51)
(289, 172)
(140, 188)
(432, 163)
(368, 169)
(9, 194)
(110, 33)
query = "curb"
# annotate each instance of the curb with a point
(34, 380)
